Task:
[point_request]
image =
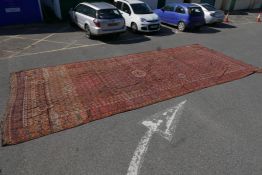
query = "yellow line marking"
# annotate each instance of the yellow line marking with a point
(70, 48)
(172, 28)
(7, 39)
(38, 41)
(9, 51)
(70, 44)
(51, 41)
(62, 49)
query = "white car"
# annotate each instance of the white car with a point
(138, 15)
(98, 18)
(212, 15)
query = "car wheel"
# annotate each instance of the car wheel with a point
(181, 26)
(134, 27)
(88, 32)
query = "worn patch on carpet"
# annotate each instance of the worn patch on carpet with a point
(47, 100)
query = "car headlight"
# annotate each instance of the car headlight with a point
(142, 19)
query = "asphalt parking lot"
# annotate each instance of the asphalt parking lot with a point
(219, 131)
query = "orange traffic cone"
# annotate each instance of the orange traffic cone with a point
(226, 18)
(259, 18)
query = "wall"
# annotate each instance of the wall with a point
(151, 3)
(247, 4)
(20, 12)
(54, 5)
(242, 4)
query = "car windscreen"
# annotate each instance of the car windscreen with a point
(108, 14)
(141, 8)
(209, 7)
(195, 11)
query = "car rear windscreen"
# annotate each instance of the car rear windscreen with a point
(195, 11)
(109, 14)
(209, 7)
(141, 8)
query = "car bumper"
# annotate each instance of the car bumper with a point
(215, 20)
(149, 27)
(99, 31)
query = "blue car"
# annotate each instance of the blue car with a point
(182, 15)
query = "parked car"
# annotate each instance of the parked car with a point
(98, 18)
(138, 15)
(182, 15)
(212, 15)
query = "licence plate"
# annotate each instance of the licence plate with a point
(154, 26)
(112, 24)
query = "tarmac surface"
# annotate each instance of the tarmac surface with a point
(219, 131)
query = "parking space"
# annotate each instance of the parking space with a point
(53, 37)
(43, 38)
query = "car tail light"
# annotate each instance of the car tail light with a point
(97, 23)
(213, 14)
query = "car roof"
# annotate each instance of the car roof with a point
(185, 5)
(132, 1)
(99, 5)
(201, 4)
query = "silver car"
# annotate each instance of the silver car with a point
(98, 18)
(212, 15)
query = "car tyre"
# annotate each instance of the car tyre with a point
(181, 26)
(134, 27)
(88, 32)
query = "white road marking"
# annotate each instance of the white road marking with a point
(171, 117)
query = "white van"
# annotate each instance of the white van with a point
(138, 15)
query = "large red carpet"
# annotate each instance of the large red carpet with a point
(47, 100)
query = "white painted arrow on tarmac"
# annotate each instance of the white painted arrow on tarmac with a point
(165, 124)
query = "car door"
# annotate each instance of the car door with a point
(168, 14)
(79, 15)
(180, 14)
(126, 13)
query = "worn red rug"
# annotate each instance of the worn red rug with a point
(47, 100)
